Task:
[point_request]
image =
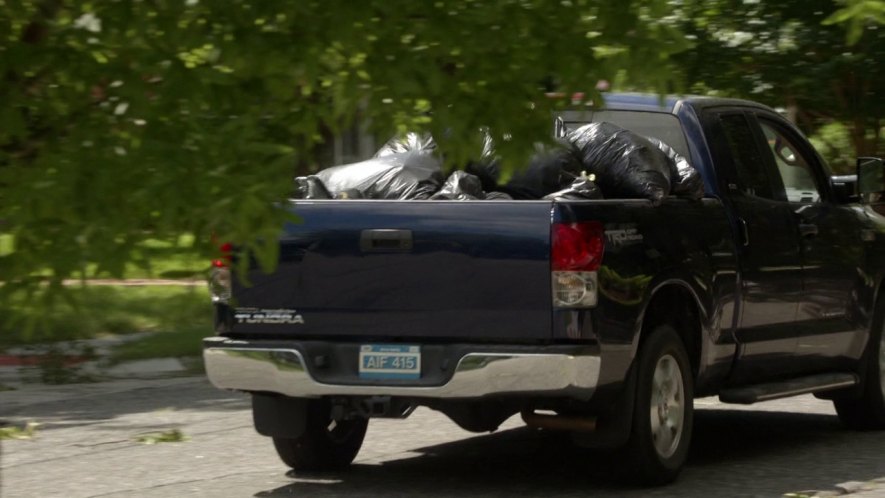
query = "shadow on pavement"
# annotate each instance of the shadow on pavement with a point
(734, 453)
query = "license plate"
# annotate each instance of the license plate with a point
(390, 361)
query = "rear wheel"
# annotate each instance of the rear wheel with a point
(326, 444)
(867, 412)
(663, 414)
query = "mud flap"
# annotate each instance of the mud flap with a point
(279, 416)
(612, 427)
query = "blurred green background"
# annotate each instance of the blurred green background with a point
(134, 133)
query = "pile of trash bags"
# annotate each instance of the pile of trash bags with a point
(628, 165)
(405, 168)
(595, 161)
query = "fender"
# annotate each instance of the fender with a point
(717, 349)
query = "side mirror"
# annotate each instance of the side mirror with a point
(845, 188)
(871, 179)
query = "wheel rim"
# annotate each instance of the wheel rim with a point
(667, 406)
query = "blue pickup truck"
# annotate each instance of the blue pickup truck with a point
(604, 318)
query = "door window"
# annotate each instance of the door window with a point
(792, 167)
(749, 164)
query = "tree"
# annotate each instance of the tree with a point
(130, 120)
(794, 54)
(857, 15)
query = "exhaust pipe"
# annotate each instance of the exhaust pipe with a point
(558, 422)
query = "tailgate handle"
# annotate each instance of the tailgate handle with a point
(386, 240)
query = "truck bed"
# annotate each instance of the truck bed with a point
(391, 270)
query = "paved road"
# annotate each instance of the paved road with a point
(87, 448)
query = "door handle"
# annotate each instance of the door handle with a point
(745, 231)
(807, 229)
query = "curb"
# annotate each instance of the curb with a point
(15, 402)
(85, 361)
(136, 282)
(8, 360)
(75, 372)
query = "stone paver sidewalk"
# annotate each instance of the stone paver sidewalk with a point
(83, 360)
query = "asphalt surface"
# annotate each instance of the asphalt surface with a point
(86, 447)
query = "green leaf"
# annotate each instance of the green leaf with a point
(13, 432)
(170, 436)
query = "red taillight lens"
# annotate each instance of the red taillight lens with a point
(226, 250)
(577, 246)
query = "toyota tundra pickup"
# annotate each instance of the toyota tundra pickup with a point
(605, 318)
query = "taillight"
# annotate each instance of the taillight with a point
(226, 249)
(576, 253)
(577, 246)
(219, 277)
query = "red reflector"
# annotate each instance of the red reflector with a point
(226, 249)
(577, 246)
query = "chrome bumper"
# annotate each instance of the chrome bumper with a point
(230, 365)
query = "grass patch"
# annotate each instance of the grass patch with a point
(185, 341)
(164, 260)
(94, 311)
(152, 258)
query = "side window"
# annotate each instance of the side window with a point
(749, 164)
(794, 170)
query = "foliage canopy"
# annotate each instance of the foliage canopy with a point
(131, 120)
(128, 120)
(795, 54)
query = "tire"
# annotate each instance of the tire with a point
(867, 412)
(325, 444)
(663, 412)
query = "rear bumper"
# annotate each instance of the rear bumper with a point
(290, 368)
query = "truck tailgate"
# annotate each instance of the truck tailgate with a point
(477, 271)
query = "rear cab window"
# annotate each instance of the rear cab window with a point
(661, 125)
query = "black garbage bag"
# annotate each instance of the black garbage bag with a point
(486, 172)
(581, 189)
(488, 167)
(350, 193)
(549, 170)
(488, 145)
(684, 179)
(626, 165)
(461, 186)
(410, 142)
(498, 196)
(405, 175)
(310, 187)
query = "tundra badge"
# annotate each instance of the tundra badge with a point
(270, 316)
